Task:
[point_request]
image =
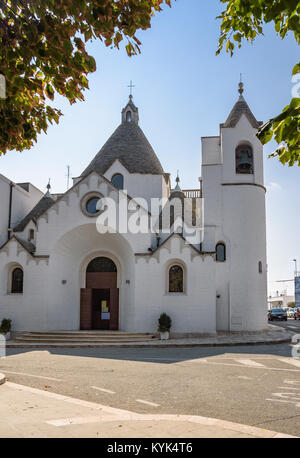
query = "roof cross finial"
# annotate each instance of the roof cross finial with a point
(48, 188)
(131, 86)
(241, 85)
(177, 187)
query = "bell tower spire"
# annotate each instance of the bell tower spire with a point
(130, 114)
(241, 87)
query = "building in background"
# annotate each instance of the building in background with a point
(280, 300)
(297, 289)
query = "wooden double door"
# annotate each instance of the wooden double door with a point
(99, 302)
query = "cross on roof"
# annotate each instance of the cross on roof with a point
(131, 86)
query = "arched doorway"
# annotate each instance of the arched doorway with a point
(99, 304)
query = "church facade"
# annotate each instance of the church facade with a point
(59, 272)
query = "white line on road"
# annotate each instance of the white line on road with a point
(32, 375)
(249, 362)
(252, 367)
(292, 361)
(73, 421)
(292, 382)
(282, 400)
(147, 403)
(288, 388)
(103, 389)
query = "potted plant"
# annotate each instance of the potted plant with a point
(164, 326)
(5, 328)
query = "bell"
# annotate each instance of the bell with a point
(245, 163)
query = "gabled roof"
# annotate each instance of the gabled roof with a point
(28, 246)
(40, 208)
(50, 199)
(241, 107)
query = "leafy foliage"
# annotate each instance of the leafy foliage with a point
(43, 53)
(5, 326)
(244, 20)
(164, 323)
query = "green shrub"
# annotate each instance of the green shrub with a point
(164, 323)
(5, 326)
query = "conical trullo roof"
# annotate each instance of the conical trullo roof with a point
(241, 107)
(129, 145)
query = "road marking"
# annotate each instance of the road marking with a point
(288, 388)
(292, 361)
(103, 389)
(32, 375)
(74, 421)
(249, 362)
(252, 367)
(244, 377)
(292, 382)
(147, 403)
(281, 400)
(293, 327)
(113, 414)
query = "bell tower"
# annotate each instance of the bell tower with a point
(244, 217)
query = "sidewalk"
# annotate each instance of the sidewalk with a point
(32, 413)
(273, 335)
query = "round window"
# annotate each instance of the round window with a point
(92, 206)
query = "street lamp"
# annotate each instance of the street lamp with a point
(296, 270)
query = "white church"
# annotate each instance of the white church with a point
(58, 272)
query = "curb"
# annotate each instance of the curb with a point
(152, 345)
(2, 379)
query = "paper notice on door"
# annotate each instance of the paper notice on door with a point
(105, 315)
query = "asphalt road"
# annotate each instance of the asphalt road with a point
(254, 385)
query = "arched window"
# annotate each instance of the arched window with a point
(220, 252)
(176, 279)
(101, 264)
(118, 181)
(244, 159)
(17, 280)
(128, 116)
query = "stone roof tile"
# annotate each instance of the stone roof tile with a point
(129, 145)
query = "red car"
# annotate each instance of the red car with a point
(297, 314)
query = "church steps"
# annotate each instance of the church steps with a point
(81, 337)
(83, 333)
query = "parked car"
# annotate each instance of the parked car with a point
(297, 314)
(291, 313)
(277, 314)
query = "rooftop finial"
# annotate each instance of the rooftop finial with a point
(177, 188)
(131, 86)
(241, 85)
(48, 188)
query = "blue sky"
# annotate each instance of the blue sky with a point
(183, 91)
